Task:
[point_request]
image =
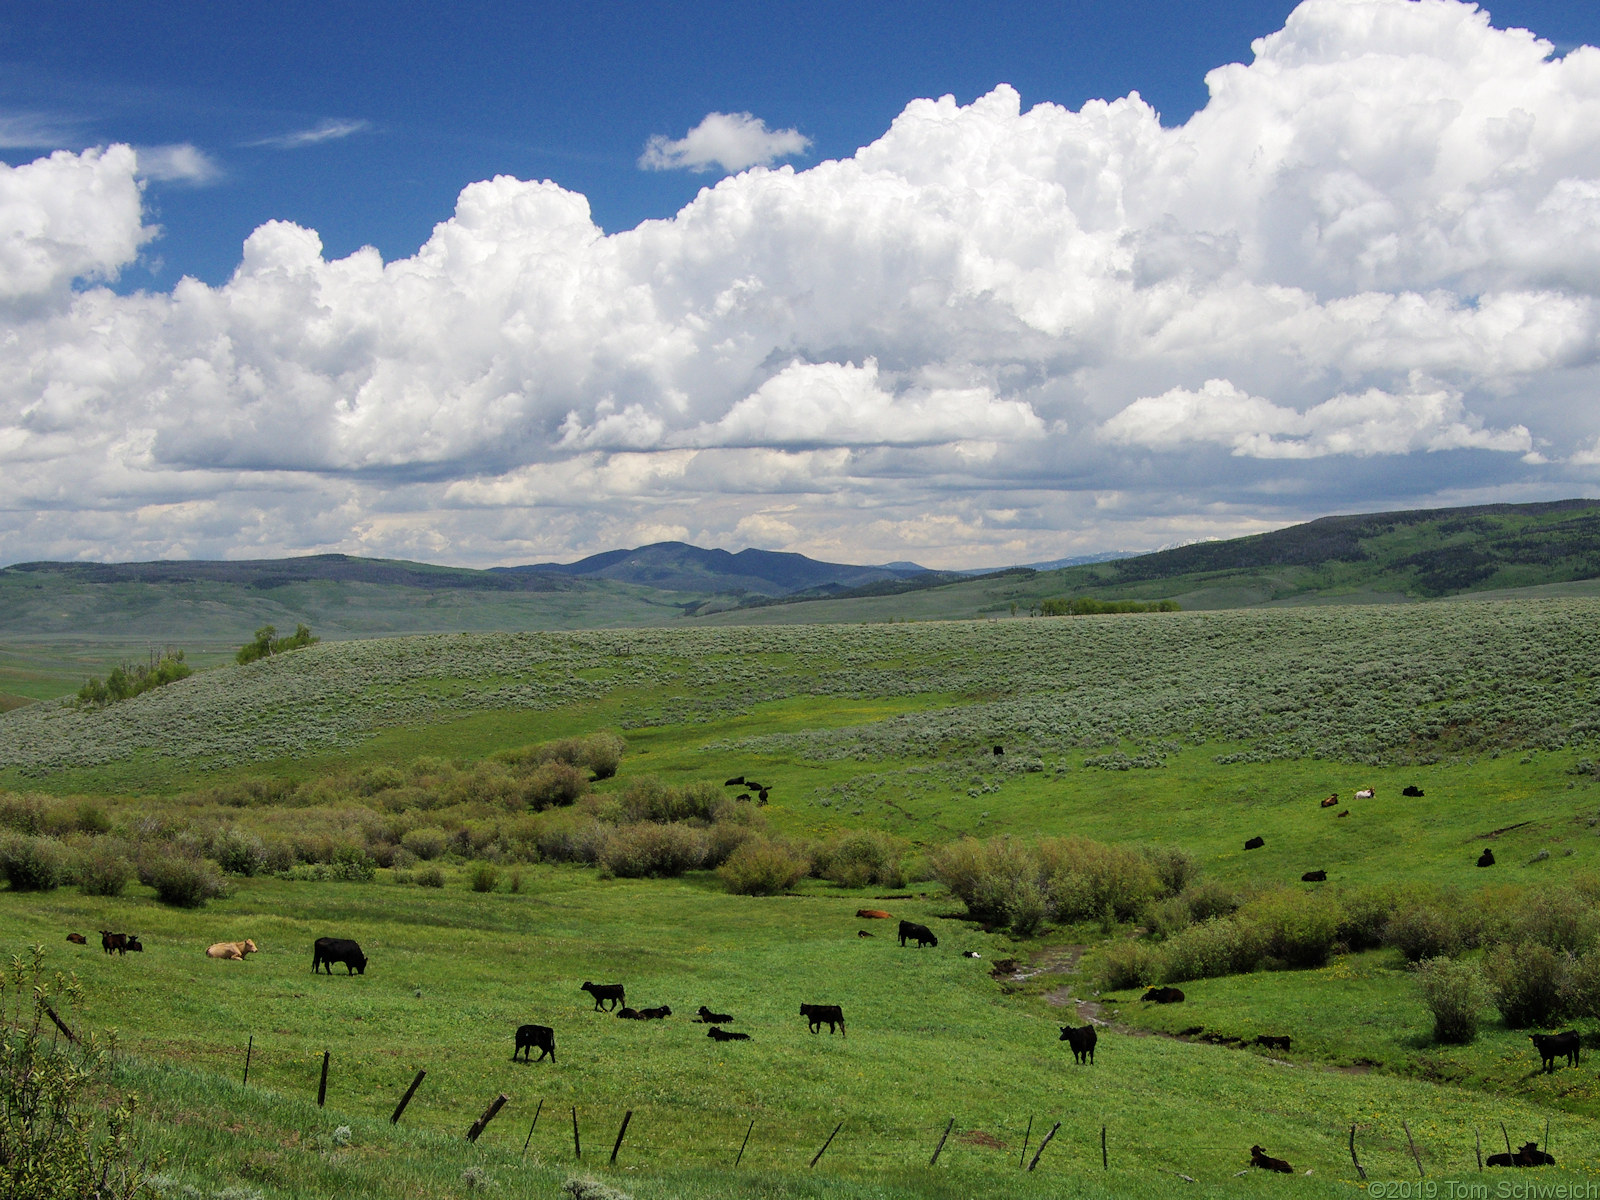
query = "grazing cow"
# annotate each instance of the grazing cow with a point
(736, 781)
(1331, 801)
(326, 951)
(1082, 1042)
(605, 992)
(1552, 1045)
(707, 1017)
(754, 786)
(726, 1035)
(1274, 1043)
(1486, 859)
(1255, 843)
(1529, 1156)
(1314, 877)
(1260, 1158)
(874, 914)
(135, 946)
(654, 1014)
(1345, 813)
(1411, 790)
(113, 941)
(231, 950)
(1163, 995)
(922, 934)
(818, 1013)
(77, 939)
(529, 1036)
(761, 797)
(1366, 793)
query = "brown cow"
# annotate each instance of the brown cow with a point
(231, 950)
(1331, 801)
(873, 914)
(77, 939)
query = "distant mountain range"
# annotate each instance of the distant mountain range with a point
(1414, 554)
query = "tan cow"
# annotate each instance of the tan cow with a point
(235, 950)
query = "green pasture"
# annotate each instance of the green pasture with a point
(931, 1037)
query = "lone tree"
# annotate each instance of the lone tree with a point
(267, 643)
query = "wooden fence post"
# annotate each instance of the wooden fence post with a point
(746, 1141)
(532, 1127)
(626, 1117)
(1477, 1147)
(1360, 1170)
(322, 1087)
(827, 1143)
(60, 1024)
(1104, 1165)
(1505, 1135)
(406, 1099)
(1415, 1156)
(940, 1146)
(1025, 1137)
(577, 1150)
(247, 1050)
(482, 1122)
(1045, 1142)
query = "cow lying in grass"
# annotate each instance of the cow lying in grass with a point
(529, 1036)
(644, 1014)
(707, 1017)
(1163, 995)
(1529, 1156)
(231, 950)
(726, 1035)
(1082, 1042)
(1260, 1158)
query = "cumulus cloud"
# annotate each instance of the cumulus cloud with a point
(331, 130)
(996, 334)
(732, 141)
(181, 163)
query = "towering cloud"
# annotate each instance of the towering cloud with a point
(993, 334)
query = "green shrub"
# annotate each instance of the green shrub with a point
(568, 840)
(762, 867)
(485, 877)
(1130, 964)
(986, 876)
(430, 877)
(1558, 917)
(862, 858)
(1423, 931)
(652, 849)
(429, 842)
(1296, 928)
(1530, 983)
(1083, 878)
(1220, 946)
(182, 882)
(553, 784)
(1454, 993)
(91, 818)
(33, 864)
(353, 865)
(101, 871)
(1582, 998)
(1364, 914)
(267, 643)
(649, 799)
(239, 853)
(1175, 868)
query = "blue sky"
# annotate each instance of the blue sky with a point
(1360, 269)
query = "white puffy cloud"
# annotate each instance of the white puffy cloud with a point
(732, 141)
(994, 334)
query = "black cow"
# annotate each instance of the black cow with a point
(1255, 843)
(999, 750)
(529, 1036)
(761, 797)
(1314, 877)
(1260, 1158)
(1411, 790)
(707, 1017)
(327, 951)
(864, 933)
(1529, 1156)
(603, 992)
(1082, 1042)
(736, 781)
(922, 934)
(654, 1014)
(1272, 1042)
(818, 1013)
(113, 942)
(742, 796)
(726, 1035)
(1552, 1045)
(629, 1014)
(135, 946)
(1163, 995)
(1486, 859)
